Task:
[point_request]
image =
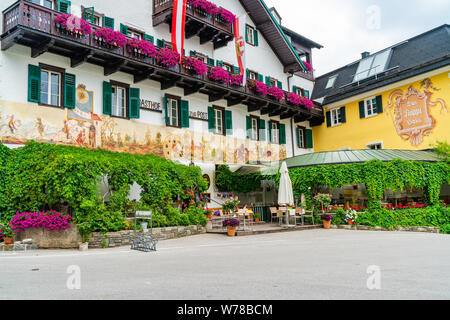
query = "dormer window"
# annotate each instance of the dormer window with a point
(331, 82)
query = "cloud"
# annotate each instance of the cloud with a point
(348, 28)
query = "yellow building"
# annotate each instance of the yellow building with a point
(398, 98)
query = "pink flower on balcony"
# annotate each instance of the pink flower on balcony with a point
(276, 92)
(73, 24)
(110, 37)
(219, 74)
(294, 98)
(236, 79)
(209, 7)
(258, 86)
(195, 64)
(142, 47)
(308, 66)
(226, 15)
(307, 103)
(168, 57)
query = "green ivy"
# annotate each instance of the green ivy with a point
(228, 181)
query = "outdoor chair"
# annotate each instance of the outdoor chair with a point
(309, 214)
(299, 215)
(273, 214)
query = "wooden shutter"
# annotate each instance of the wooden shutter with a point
(211, 119)
(299, 140)
(149, 38)
(362, 111)
(343, 115)
(135, 103)
(34, 83)
(107, 98)
(192, 53)
(270, 132)
(210, 62)
(166, 110)
(256, 37)
(248, 73)
(64, 6)
(184, 105)
(282, 133)
(268, 81)
(307, 94)
(294, 89)
(123, 29)
(160, 43)
(89, 14)
(328, 114)
(380, 104)
(262, 130)
(219, 63)
(108, 22)
(228, 123)
(249, 127)
(280, 85)
(246, 33)
(309, 139)
(261, 78)
(236, 70)
(69, 90)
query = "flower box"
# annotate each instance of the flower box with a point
(110, 39)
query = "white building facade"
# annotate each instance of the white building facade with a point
(66, 88)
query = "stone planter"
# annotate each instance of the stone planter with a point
(84, 246)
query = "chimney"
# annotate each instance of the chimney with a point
(365, 54)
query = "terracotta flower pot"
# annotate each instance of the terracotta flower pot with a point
(350, 222)
(231, 231)
(257, 220)
(8, 241)
(326, 224)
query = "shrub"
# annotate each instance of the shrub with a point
(51, 221)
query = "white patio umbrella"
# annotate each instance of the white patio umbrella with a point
(285, 192)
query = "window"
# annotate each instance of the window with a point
(255, 128)
(119, 101)
(375, 146)
(228, 67)
(301, 138)
(275, 132)
(46, 3)
(372, 65)
(173, 112)
(371, 107)
(252, 75)
(219, 128)
(97, 20)
(134, 34)
(50, 87)
(336, 118)
(250, 35)
(331, 81)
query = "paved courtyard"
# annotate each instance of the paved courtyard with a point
(314, 264)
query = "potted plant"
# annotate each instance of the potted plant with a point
(322, 200)
(231, 205)
(8, 234)
(351, 216)
(257, 217)
(231, 225)
(326, 218)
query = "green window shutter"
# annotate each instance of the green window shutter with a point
(149, 38)
(192, 53)
(282, 133)
(329, 119)
(166, 109)
(211, 119)
(262, 130)
(34, 83)
(123, 29)
(219, 63)
(298, 137)
(64, 6)
(260, 77)
(270, 132)
(249, 127)
(256, 38)
(280, 85)
(309, 139)
(362, 111)
(184, 105)
(380, 104)
(294, 89)
(88, 14)
(307, 94)
(268, 81)
(228, 122)
(160, 43)
(246, 33)
(248, 73)
(107, 98)
(211, 62)
(343, 115)
(135, 103)
(236, 70)
(108, 22)
(69, 90)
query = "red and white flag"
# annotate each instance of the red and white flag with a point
(239, 38)
(178, 26)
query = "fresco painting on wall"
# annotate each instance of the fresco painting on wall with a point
(82, 127)
(411, 112)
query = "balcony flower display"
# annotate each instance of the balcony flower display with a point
(307, 103)
(236, 79)
(276, 92)
(141, 47)
(219, 74)
(51, 221)
(204, 5)
(294, 98)
(308, 66)
(109, 37)
(168, 57)
(195, 64)
(226, 15)
(72, 24)
(258, 86)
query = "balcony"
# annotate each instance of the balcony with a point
(34, 26)
(198, 23)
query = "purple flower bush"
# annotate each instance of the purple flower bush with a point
(110, 37)
(231, 223)
(258, 86)
(276, 92)
(236, 79)
(51, 221)
(226, 15)
(168, 57)
(219, 74)
(142, 47)
(209, 7)
(73, 24)
(195, 64)
(294, 98)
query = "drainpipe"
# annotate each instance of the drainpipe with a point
(292, 120)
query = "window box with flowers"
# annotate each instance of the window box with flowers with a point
(109, 38)
(203, 7)
(195, 66)
(225, 16)
(219, 74)
(258, 87)
(141, 48)
(68, 24)
(308, 66)
(275, 93)
(168, 58)
(236, 80)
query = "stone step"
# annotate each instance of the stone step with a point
(18, 247)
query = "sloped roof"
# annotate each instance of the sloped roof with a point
(360, 156)
(301, 39)
(423, 53)
(274, 34)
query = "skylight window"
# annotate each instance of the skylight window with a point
(331, 81)
(372, 65)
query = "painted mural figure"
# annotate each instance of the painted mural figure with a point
(11, 124)
(40, 127)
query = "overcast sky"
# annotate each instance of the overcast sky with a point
(346, 28)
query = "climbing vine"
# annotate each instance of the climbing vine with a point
(228, 181)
